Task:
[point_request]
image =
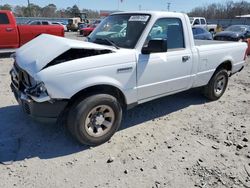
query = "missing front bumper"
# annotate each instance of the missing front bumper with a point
(37, 109)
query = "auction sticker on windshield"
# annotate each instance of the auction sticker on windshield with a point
(138, 18)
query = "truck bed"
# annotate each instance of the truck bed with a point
(211, 52)
(209, 42)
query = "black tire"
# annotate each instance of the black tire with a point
(79, 114)
(212, 90)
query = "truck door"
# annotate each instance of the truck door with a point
(8, 32)
(168, 72)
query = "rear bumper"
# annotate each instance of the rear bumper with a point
(41, 111)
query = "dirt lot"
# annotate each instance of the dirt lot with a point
(177, 141)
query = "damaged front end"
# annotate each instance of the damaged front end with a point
(33, 96)
(42, 53)
(73, 54)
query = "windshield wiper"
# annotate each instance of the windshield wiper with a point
(109, 41)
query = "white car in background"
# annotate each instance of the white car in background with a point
(60, 23)
(39, 22)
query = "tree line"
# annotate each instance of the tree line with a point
(50, 11)
(226, 10)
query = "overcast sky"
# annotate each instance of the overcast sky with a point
(176, 5)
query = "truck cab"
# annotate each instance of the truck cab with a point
(8, 30)
(14, 36)
(202, 22)
(198, 21)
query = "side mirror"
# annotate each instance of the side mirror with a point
(155, 46)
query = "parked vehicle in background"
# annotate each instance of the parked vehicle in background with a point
(201, 33)
(87, 30)
(92, 83)
(96, 22)
(201, 22)
(81, 27)
(235, 33)
(78, 19)
(90, 28)
(73, 24)
(61, 24)
(113, 31)
(39, 22)
(14, 36)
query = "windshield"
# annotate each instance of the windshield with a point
(123, 30)
(236, 28)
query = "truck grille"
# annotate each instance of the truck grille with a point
(20, 78)
(26, 108)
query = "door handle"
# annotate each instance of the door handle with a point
(9, 29)
(185, 58)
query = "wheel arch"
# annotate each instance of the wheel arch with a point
(101, 88)
(226, 64)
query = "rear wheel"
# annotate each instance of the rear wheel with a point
(217, 85)
(94, 120)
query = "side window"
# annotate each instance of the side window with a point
(203, 22)
(196, 22)
(35, 23)
(45, 23)
(4, 18)
(170, 29)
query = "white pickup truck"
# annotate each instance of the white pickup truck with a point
(202, 22)
(129, 59)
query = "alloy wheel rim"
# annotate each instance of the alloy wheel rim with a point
(99, 120)
(220, 85)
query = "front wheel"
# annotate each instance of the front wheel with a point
(217, 85)
(94, 120)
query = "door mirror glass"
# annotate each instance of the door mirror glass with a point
(155, 46)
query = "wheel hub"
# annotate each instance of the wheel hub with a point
(99, 119)
(219, 86)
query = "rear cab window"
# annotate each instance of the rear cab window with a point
(4, 19)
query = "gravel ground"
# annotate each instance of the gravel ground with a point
(177, 141)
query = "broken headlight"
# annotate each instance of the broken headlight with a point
(37, 90)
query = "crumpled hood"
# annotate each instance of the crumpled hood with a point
(35, 55)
